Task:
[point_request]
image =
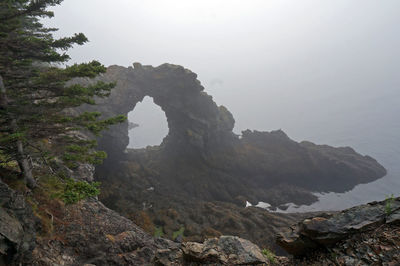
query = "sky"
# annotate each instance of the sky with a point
(294, 65)
(325, 71)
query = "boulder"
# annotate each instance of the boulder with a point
(225, 250)
(17, 233)
(90, 233)
(326, 230)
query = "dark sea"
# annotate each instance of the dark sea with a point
(367, 122)
(376, 132)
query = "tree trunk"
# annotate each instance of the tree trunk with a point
(3, 95)
(21, 157)
(24, 165)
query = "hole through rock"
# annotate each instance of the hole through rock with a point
(148, 125)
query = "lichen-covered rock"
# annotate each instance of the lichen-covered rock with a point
(225, 250)
(380, 246)
(17, 233)
(90, 233)
(351, 225)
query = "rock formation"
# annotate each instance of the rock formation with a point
(201, 160)
(201, 131)
(363, 235)
(90, 233)
(195, 122)
(225, 250)
(17, 233)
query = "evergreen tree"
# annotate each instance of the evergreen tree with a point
(34, 90)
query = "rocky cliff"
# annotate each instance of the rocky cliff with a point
(202, 161)
(201, 150)
(196, 124)
(36, 229)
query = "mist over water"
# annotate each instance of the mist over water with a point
(152, 126)
(323, 71)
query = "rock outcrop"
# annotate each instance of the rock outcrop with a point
(225, 250)
(17, 233)
(201, 143)
(363, 235)
(196, 124)
(201, 160)
(90, 233)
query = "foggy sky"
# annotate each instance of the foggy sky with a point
(308, 67)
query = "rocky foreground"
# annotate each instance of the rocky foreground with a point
(88, 233)
(363, 235)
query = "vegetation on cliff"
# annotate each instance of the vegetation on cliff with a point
(34, 92)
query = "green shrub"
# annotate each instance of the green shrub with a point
(5, 161)
(388, 206)
(178, 233)
(75, 191)
(269, 254)
(158, 232)
(83, 154)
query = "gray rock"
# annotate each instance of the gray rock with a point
(17, 233)
(94, 234)
(225, 250)
(10, 229)
(195, 122)
(327, 230)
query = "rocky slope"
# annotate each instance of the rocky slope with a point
(199, 220)
(363, 235)
(37, 228)
(88, 233)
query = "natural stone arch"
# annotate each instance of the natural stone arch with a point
(196, 124)
(202, 158)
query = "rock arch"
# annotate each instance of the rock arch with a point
(196, 124)
(202, 156)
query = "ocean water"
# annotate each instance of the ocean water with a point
(379, 139)
(372, 127)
